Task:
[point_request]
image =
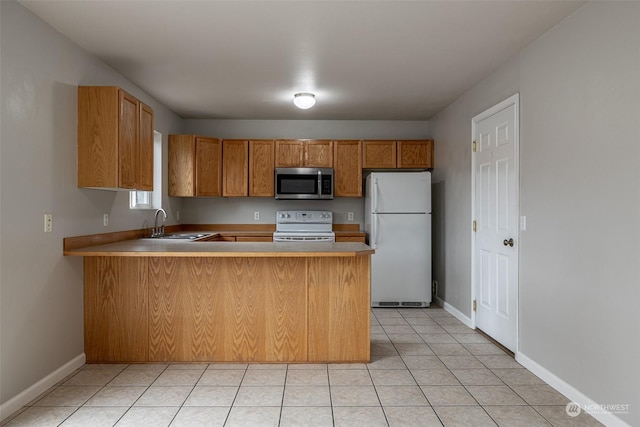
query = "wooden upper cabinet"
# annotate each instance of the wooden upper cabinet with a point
(415, 154)
(378, 154)
(115, 139)
(235, 167)
(293, 153)
(261, 168)
(208, 167)
(410, 154)
(195, 166)
(347, 157)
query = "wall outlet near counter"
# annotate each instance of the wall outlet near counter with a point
(349, 216)
(105, 220)
(256, 216)
(48, 223)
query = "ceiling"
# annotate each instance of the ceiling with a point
(364, 60)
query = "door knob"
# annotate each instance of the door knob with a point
(508, 242)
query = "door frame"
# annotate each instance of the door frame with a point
(512, 100)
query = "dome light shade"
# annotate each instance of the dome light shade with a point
(304, 100)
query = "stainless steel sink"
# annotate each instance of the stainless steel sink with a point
(181, 236)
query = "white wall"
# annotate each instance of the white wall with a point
(41, 326)
(240, 210)
(580, 189)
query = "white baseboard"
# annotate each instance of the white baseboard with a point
(606, 418)
(455, 312)
(17, 402)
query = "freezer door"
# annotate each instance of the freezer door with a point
(401, 266)
(403, 192)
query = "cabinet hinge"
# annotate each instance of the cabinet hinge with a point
(475, 146)
(475, 305)
(475, 225)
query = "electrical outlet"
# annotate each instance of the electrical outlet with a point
(105, 220)
(177, 215)
(350, 216)
(48, 223)
(256, 216)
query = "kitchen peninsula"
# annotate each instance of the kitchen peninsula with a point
(156, 300)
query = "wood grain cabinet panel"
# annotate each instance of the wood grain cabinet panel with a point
(115, 309)
(261, 168)
(296, 153)
(235, 168)
(415, 154)
(115, 140)
(318, 154)
(208, 167)
(378, 154)
(347, 158)
(289, 153)
(182, 166)
(338, 302)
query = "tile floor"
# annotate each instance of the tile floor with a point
(427, 369)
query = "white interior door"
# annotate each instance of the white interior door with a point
(496, 215)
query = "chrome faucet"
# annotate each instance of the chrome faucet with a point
(159, 231)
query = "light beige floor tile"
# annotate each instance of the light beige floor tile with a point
(448, 395)
(423, 362)
(354, 396)
(413, 349)
(392, 377)
(41, 417)
(429, 329)
(379, 338)
(398, 329)
(432, 338)
(495, 395)
(461, 362)
(175, 377)
(263, 377)
(448, 321)
(463, 416)
(359, 417)
(147, 367)
(502, 361)
(452, 349)
(404, 395)
(385, 312)
(136, 377)
(392, 321)
(307, 396)
(387, 362)
(518, 376)
(259, 396)
(470, 338)
(516, 416)
(541, 394)
(307, 377)
(558, 417)
(418, 416)
(211, 396)
(199, 417)
(299, 416)
(482, 376)
(222, 377)
(412, 312)
(346, 366)
(104, 367)
(68, 395)
(188, 366)
(96, 377)
(296, 366)
(484, 349)
(253, 417)
(458, 329)
(95, 417)
(383, 349)
(156, 417)
(426, 320)
(349, 377)
(405, 338)
(274, 366)
(40, 396)
(228, 366)
(164, 396)
(434, 377)
(116, 396)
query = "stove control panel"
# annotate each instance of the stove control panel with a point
(304, 217)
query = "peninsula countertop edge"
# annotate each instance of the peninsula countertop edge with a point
(173, 248)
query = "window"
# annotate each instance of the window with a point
(151, 199)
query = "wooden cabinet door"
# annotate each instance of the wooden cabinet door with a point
(347, 157)
(261, 168)
(235, 167)
(318, 154)
(415, 154)
(128, 141)
(208, 167)
(182, 155)
(289, 153)
(145, 168)
(379, 154)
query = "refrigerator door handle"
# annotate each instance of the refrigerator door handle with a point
(374, 210)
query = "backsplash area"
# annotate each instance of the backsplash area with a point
(219, 210)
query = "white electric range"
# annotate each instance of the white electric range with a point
(304, 226)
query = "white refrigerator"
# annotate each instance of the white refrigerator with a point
(398, 227)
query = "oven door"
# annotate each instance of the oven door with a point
(304, 183)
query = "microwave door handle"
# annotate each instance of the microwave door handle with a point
(319, 184)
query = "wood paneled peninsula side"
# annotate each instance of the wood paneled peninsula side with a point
(169, 301)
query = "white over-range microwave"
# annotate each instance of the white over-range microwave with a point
(304, 183)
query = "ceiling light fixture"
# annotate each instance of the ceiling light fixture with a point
(304, 100)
